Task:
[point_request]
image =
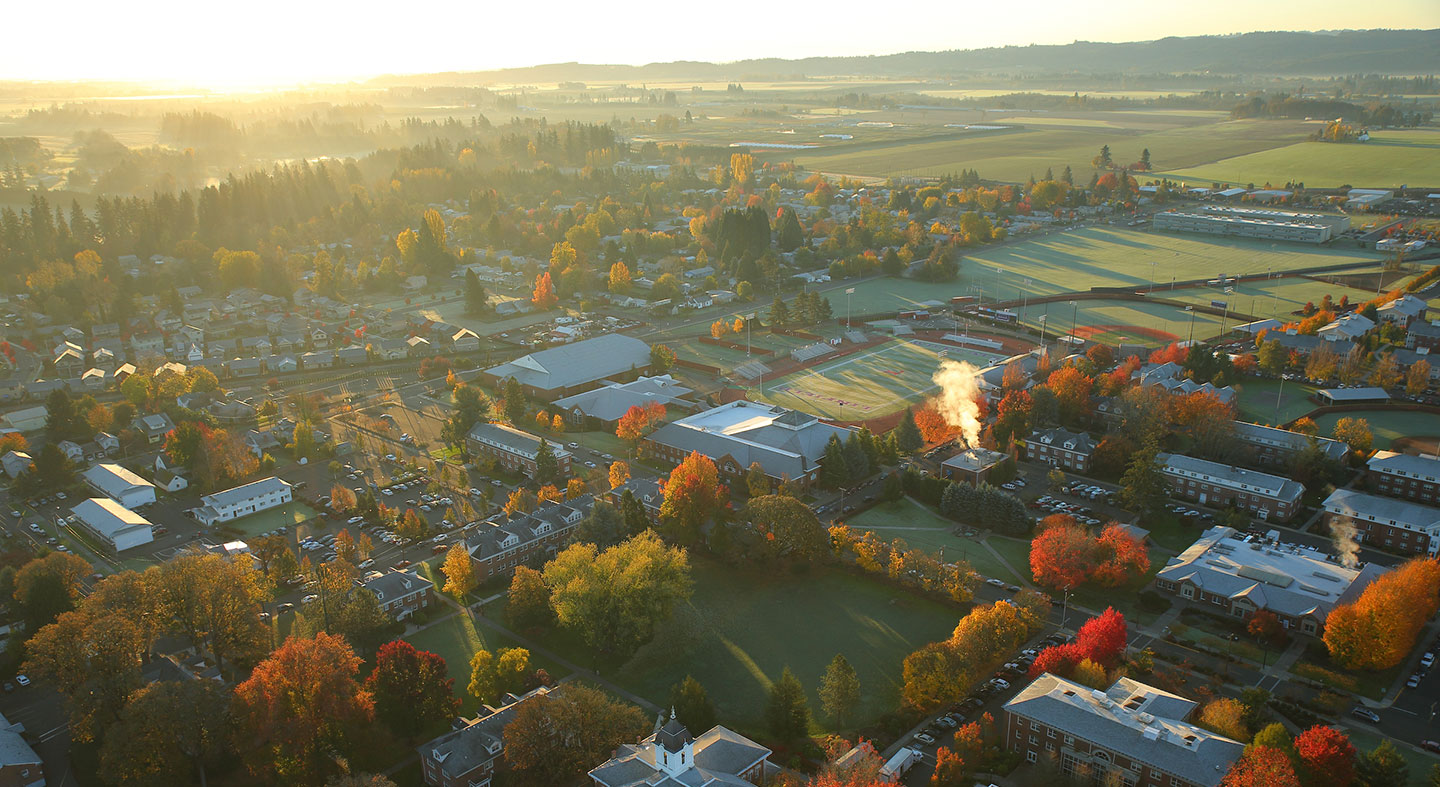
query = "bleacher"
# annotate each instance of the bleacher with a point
(752, 370)
(858, 337)
(974, 341)
(811, 351)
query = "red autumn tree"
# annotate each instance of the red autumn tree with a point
(933, 426)
(1261, 766)
(1123, 557)
(1264, 625)
(1102, 639)
(631, 426)
(1327, 758)
(1057, 660)
(691, 495)
(13, 441)
(1072, 392)
(544, 296)
(951, 770)
(1055, 520)
(411, 688)
(302, 706)
(1174, 353)
(1062, 557)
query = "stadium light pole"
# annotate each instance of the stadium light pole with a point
(1074, 315)
(1191, 338)
(848, 292)
(1042, 330)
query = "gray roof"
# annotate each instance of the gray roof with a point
(239, 493)
(397, 584)
(1286, 440)
(1231, 477)
(1063, 438)
(1384, 510)
(578, 363)
(609, 402)
(475, 744)
(1137, 721)
(513, 440)
(1284, 578)
(720, 755)
(13, 748)
(1407, 465)
(1353, 394)
(505, 533)
(115, 480)
(781, 440)
(109, 518)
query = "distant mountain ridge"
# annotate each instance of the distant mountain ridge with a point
(1400, 52)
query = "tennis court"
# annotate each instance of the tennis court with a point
(870, 383)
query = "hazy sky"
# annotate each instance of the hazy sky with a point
(266, 42)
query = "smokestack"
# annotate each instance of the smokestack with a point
(1342, 536)
(958, 400)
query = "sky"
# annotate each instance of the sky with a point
(260, 43)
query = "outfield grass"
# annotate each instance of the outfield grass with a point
(1257, 401)
(1114, 321)
(1017, 155)
(926, 530)
(869, 383)
(1280, 298)
(1389, 159)
(744, 626)
(456, 639)
(1387, 425)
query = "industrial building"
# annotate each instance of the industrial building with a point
(1251, 223)
(116, 526)
(120, 484)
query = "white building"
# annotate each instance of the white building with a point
(244, 500)
(116, 526)
(120, 484)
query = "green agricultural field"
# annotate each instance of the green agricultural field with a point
(1389, 159)
(1258, 399)
(456, 639)
(1116, 322)
(1387, 425)
(867, 384)
(922, 528)
(1017, 154)
(738, 632)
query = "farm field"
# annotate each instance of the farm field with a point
(1387, 425)
(1116, 321)
(924, 529)
(870, 383)
(1112, 257)
(1016, 155)
(1258, 398)
(1389, 159)
(737, 633)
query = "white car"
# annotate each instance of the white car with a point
(310, 598)
(387, 492)
(1428, 660)
(368, 562)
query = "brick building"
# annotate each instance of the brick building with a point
(1395, 525)
(503, 542)
(1275, 447)
(1404, 475)
(468, 756)
(513, 449)
(401, 593)
(1218, 485)
(1140, 734)
(1061, 448)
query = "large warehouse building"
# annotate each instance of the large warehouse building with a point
(1251, 223)
(116, 526)
(120, 484)
(573, 368)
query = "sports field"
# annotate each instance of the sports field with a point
(1274, 402)
(1389, 159)
(870, 383)
(1280, 298)
(1116, 321)
(1387, 425)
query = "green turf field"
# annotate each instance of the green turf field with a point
(1015, 155)
(1389, 159)
(1113, 257)
(740, 630)
(870, 383)
(1387, 425)
(1257, 401)
(1280, 298)
(1116, 322)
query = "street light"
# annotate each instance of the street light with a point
(1065, 608)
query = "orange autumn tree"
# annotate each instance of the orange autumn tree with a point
(1066, 555)
(544, 296)
(1375, 631)
(637, 421)
(691, 495)
(1072, 392)
(933, 426)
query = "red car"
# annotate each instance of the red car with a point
(402, 564)
(1430, 746)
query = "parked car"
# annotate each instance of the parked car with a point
(311, 598)
(23, 680)
(1430, 746)
(1428, 660)
(924, 738)
(1365, 714)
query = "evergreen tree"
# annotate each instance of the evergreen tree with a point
(692, 705)
(547, 467)
(475, 298)
(1143, 484)
(907, 434)
(1068, 177)
(857, 464)
(60, 415)
(834, 470)
(779, 313)
(632, 511)
(787, 714)
(839, 689)
(514, 406)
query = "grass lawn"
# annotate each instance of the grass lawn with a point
(456, 639)
(1279, 297)
(1115, 321)
(1387, 425)
(1258, 399)
(604, 442)
(1389, 159)
(1125, 599)
(1420, 763)
(869, 383)
(924, 529)
(290, 514)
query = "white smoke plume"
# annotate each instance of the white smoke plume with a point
(1342, 536)
(958, 400)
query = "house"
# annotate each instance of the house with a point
(120, 484)
(572, 368)
(1411, 477)
(670, 755)
(467, 757)
(391, 349)
(123, 372)
(465, 341)
(1140, 734)
(281, 364)
(16, 463)
(417, 346)
(115, 526)
(72, 450)
(785, 443)
(318, 360)
(69, 362)
(29, 419)
(20, 766)
(401, 593)
(1403, 311)
(1388, 523)
(514, 449)
(1061, 448)
(319, 338)
(169, 480)
(352, 355)
(95, 379)
(243, 500)
(154, 427)
(259, 442)
(244, 367)
(1422, 334)
(503, 542)
(1219, 485)
(1347, 328)
(1269, 445)
(601, 408)
(1240, 575)
(108, 443)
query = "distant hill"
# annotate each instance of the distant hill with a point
(1402, 52)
